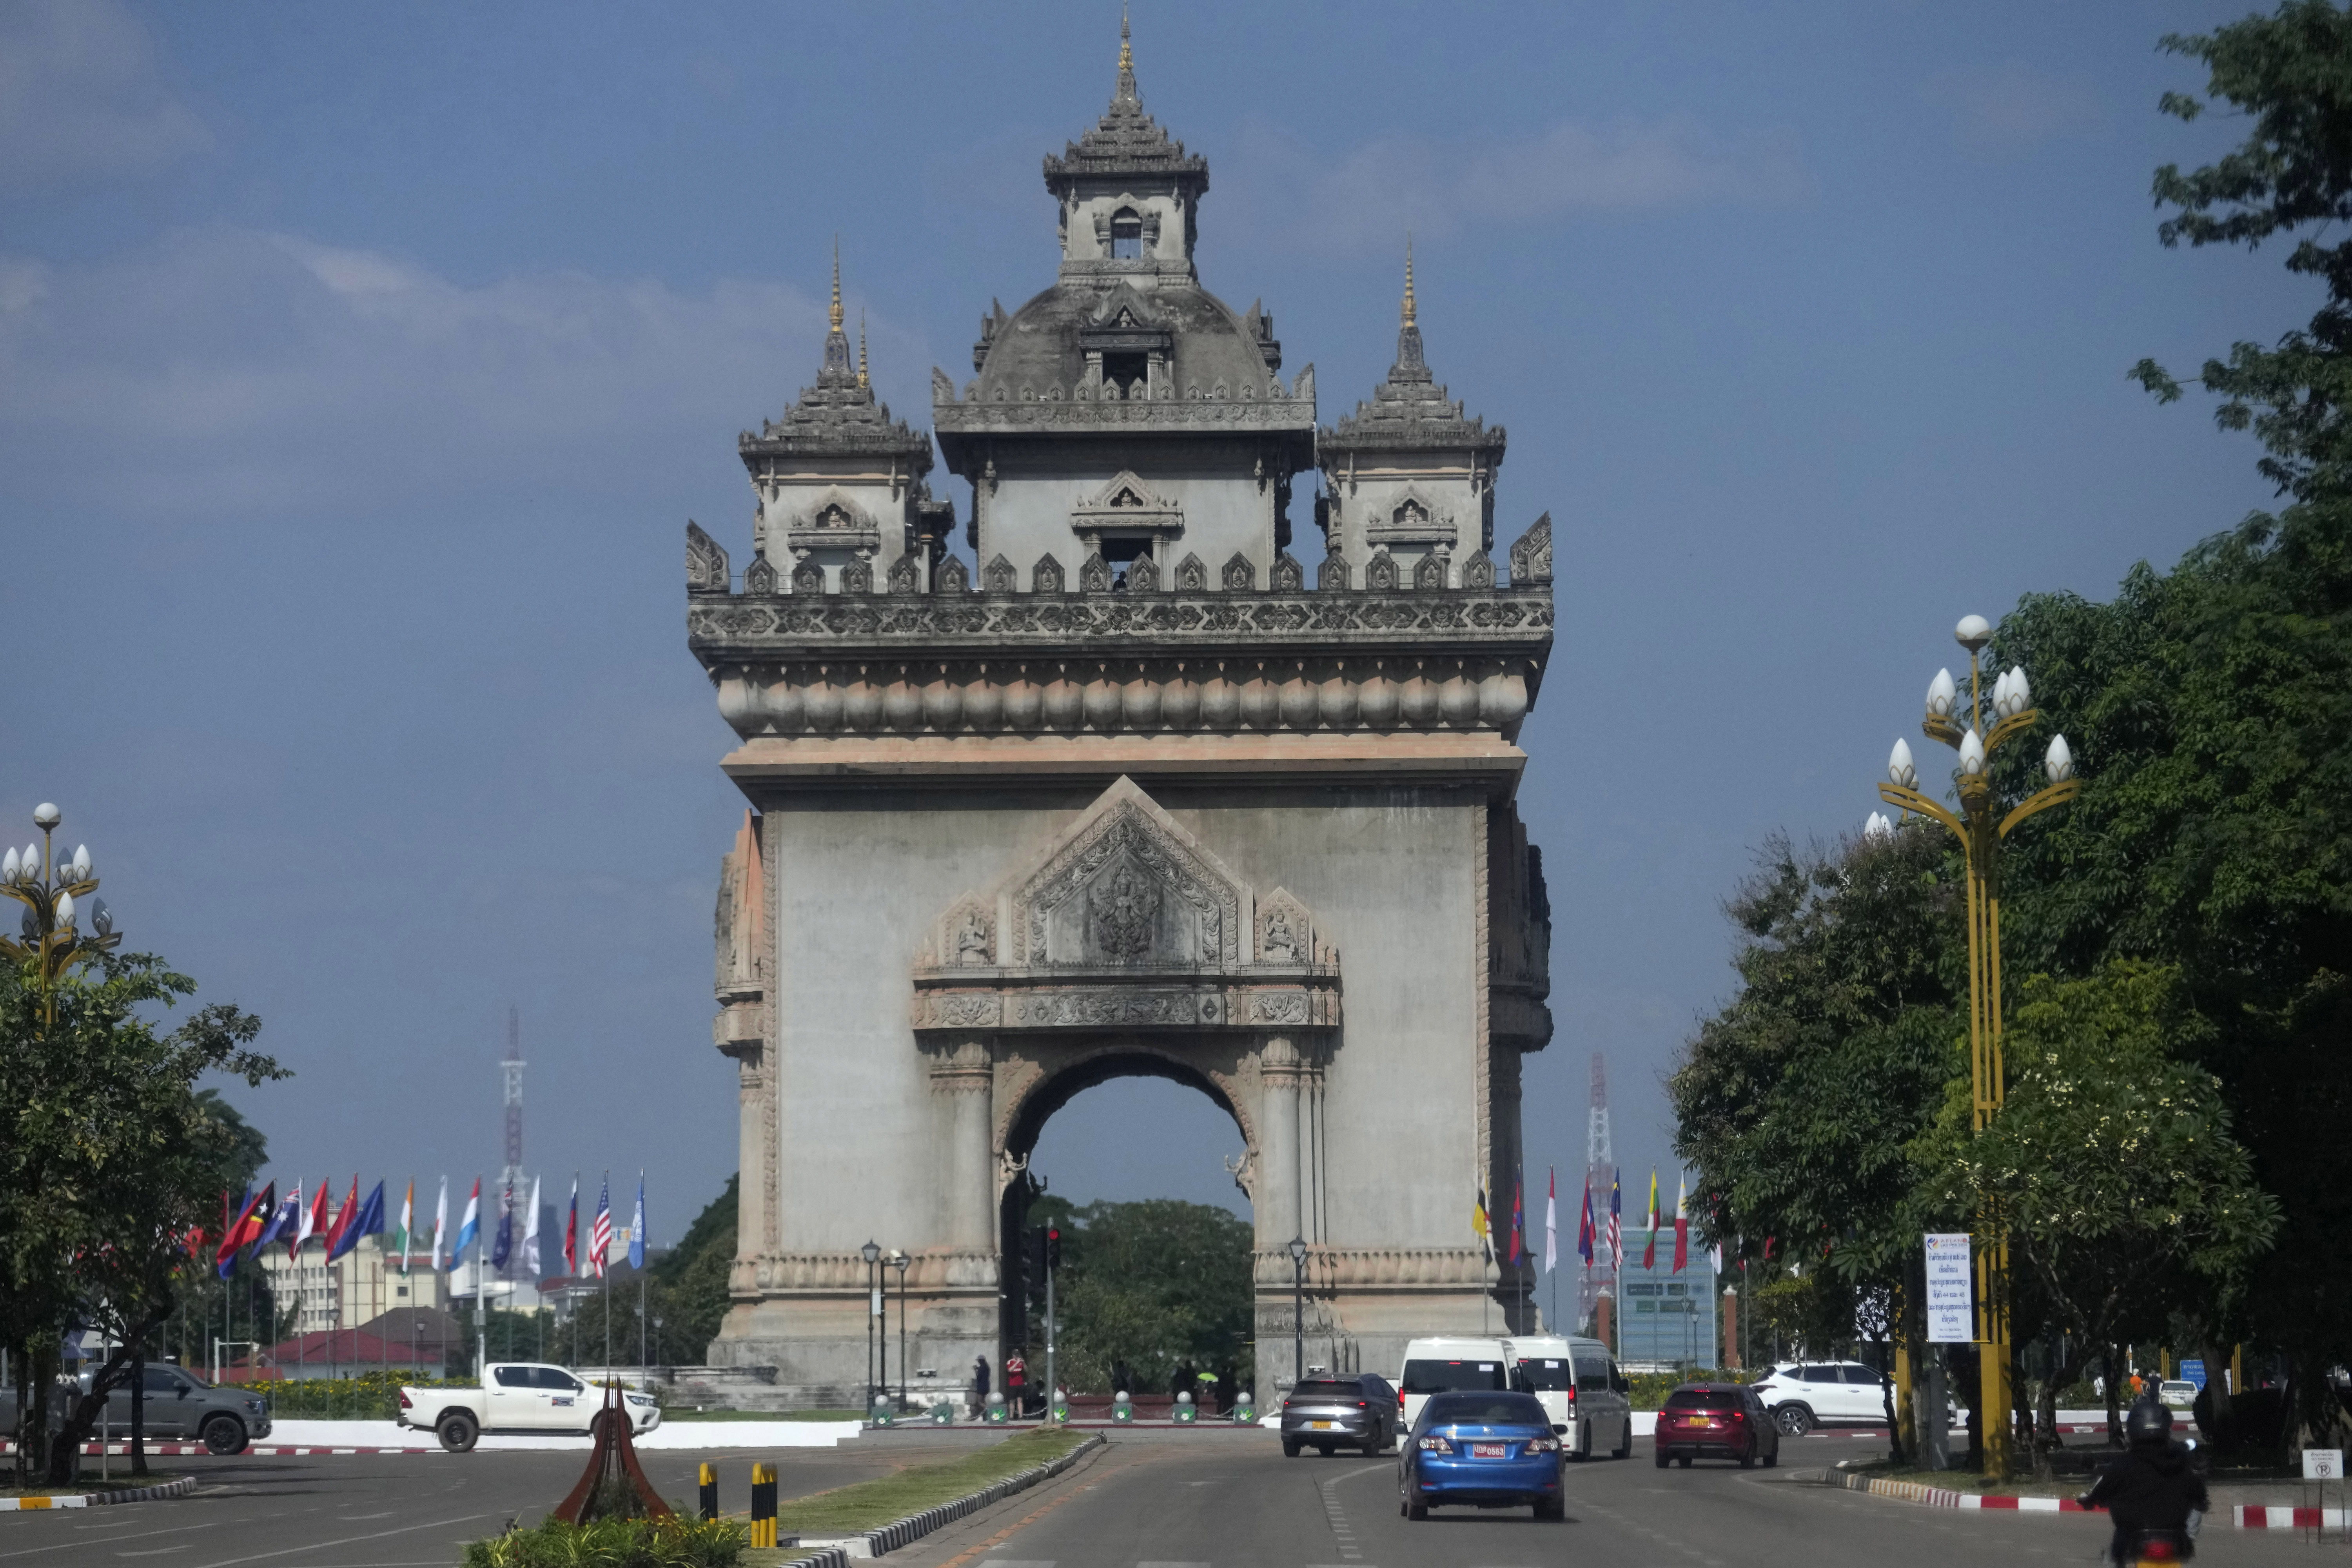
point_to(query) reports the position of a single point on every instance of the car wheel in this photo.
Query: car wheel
(1748, 1461)
(1415, 1509)
(1326, 1449)
(457, 1432)
(223, 1434)
(1582, 1453)
(1624, 1449)
(1662, 1458)
(1794, 1420)
(1685, 1460)
(1290, 1447)
(1772, 1459)
(1372, 1446)
(1552, 1508)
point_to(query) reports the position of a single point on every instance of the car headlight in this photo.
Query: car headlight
(256, 1405)
(1433, 1444)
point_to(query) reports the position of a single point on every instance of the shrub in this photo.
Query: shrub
(675, 1543)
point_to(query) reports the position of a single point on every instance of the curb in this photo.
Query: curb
(2258, 1516)
(837, 1551)
(180, 1487)
(186, 1450)
(2242, 1516)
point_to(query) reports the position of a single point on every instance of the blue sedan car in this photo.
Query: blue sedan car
(1482, 1449)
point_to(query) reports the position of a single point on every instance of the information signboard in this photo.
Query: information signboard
(2323, 1464)
(1951, 1289)
(2193, 1371)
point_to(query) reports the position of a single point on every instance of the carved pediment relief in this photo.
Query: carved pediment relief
(1286, 931)
(1126, 886)
(832, 520)
(1125, 507)
(1411, 518)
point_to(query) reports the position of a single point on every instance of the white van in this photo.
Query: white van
(1442, 1365)
(1579, 1384)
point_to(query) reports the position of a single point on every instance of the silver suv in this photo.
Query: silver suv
(182, 1408)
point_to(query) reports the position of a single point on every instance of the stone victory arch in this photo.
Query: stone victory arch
(1138, 801)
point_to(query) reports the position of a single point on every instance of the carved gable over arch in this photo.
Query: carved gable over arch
(1126, 885)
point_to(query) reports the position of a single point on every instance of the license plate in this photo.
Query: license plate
(1486, 1450)
(1320, 1425)
(1702, 1421)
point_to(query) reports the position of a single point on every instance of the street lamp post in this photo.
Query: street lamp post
(1298, 1310)
(1980, 826)
(901, 1261)
(872, 1254)
(49, 935)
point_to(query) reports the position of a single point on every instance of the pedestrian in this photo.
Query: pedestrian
(979, 1387)
(1016, 1382)
(1225, 1390)
(1122, 1378)
(1181, 1381)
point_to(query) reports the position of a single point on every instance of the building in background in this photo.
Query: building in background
(363, 1284)
(1667, 1319)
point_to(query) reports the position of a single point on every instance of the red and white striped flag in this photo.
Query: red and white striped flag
(600, 1237)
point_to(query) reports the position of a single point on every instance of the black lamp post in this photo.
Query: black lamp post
(899, 1261)
(1298, 1310)
(872, 1254)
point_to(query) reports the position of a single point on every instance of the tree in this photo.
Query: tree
(2112, 1162)
(1154, 1284)
(111, 1158)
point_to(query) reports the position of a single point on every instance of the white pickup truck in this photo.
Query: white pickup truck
(516, 1396)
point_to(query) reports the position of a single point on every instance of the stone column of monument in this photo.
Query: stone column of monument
(1121, 794)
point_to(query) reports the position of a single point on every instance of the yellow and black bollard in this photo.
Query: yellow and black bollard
(709, 1499)
(763, 1505)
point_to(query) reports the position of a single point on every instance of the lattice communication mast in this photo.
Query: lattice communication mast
(1599, 1169)
(513, 1189)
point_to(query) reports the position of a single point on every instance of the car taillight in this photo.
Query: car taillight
(1572, 1396)
(1435, 1445)
(405, 1402)
(1361, 1405)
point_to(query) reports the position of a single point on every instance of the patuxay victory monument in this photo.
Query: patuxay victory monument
(1140, 792)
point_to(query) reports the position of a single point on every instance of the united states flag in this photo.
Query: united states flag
(600, 1237)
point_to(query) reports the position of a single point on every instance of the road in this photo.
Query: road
(1166, 1499)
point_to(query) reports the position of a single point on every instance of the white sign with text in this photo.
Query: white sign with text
(1951, 1289)
(2323, 1464)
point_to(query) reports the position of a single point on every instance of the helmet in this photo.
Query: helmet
(2150, 1422)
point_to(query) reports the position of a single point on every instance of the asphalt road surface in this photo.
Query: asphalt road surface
(1148, 1500)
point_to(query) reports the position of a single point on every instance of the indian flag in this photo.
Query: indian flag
(408, 1227)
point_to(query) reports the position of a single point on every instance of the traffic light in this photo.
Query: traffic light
(1039, 1256)
(1053, 1247)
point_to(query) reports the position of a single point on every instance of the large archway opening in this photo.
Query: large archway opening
(1133, 1158)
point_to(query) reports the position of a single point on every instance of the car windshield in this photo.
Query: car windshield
(1484, 1410)
(1703, 1399)
(1547, 1372)
(1441, 1376)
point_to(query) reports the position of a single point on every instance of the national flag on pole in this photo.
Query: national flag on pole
(1616, 1234)
(283, 1219)
(530, 1234)
(407, 1224)
(440, 1222)
(1715, 1255)
(469, 1229)
(369, 1221)
(1650, 1246)
(1585, 1235)
(502, 1247)
(342, 1223)
(571, 1231)
(1518, 1226)
(1552, 1219)
(236, 1233)
(600, 1234)
(638, 1228)
(1681, 1223)
(1478, 1225)
(314, 1218)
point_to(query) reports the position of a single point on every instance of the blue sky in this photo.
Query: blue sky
(359, 367)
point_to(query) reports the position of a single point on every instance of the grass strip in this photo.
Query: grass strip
(869, 1504)
(1965, 1480)
(671, 1413)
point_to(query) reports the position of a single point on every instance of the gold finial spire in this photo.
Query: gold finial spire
(835, 314)
(1126, 50)
(1408, 280)
(862, 382)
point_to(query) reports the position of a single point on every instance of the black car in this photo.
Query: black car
(1716, 1421)
(1326, 1412)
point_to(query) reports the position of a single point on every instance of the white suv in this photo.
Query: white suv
(1804, 1395)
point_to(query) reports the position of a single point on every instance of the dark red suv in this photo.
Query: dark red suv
(1718, 1421)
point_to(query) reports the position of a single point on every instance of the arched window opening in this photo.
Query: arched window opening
(1126, 235)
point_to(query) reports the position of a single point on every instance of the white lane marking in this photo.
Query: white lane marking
(346, 1540)
(155, 1551)
(110, 1540)
(1343, 1532)
(362, 1518)
(1015, 1563)
(1157, 1565)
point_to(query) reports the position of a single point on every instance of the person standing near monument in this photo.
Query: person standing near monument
(1016, 1382)
(980, 1387)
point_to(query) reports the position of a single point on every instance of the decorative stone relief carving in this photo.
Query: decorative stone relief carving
(1094, 574)
(1333, 576)
(1286, 931)
(1045, 577)
(1429, 571)
(1240, 576)
(1478, 571)
(1414, 518)
(1381, 571)
(1531, 555)
(760, 577)
(906, 575)
(967, 933)
(857, 577)
(1129, 886)
(1001, 576)
(1125, 507)
(706, 563)
(955, 576)
(1287, 576)
(808, 577)
(1191, 576)
(1142, 576)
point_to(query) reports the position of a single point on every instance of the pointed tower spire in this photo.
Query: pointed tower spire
(836, 370)
(862, 381)
(1126, 93)
(1409, 366)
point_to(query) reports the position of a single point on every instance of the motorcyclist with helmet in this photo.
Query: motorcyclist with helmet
(2153, 1492)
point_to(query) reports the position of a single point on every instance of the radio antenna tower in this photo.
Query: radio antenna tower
(510, 1181)
(1599, 1169)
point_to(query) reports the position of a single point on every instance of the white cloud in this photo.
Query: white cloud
(258, 369)
(80, 96)
(1373, 193)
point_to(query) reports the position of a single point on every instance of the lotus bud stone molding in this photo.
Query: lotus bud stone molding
(8, 865)
(2058, 762)
(65, 909)
(1899, 766)
(1972, 755)
(1973, 632)
(1941, 694)
(81, 863)
(32, 863)
(1878, 827)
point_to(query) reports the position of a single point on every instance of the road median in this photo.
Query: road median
(868, 1519)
